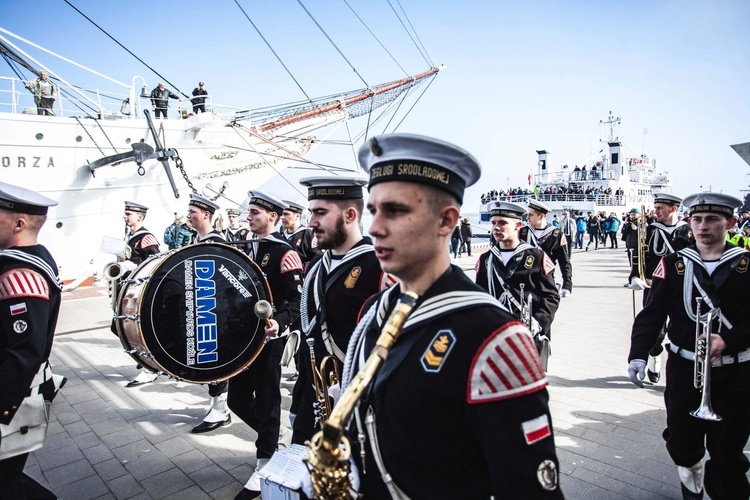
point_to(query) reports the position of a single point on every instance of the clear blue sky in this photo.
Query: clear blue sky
(521, 75)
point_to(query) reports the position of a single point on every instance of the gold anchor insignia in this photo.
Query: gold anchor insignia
(375, 147)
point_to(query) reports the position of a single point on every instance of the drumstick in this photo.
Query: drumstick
(264, 311)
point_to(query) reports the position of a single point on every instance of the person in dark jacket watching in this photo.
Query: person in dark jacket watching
(160, 97)
(199, 99)
(466, 235)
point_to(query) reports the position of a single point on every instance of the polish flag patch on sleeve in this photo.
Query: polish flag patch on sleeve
(537, 429)
(660, 271)
(507, 365)
(291, 262)
(17, 309)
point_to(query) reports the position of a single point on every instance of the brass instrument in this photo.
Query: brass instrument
(642, 243)
(322, 405)
(114, 272)
(329, 448)
(702, 368)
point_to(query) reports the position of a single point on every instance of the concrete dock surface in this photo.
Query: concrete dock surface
(106, 441)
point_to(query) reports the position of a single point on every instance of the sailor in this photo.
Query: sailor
(540, 234)
(664, 236)
(255, 394)
(201, 212)
(520, 276)
(301, 238)
(29, 307)
(447, 425)
(235, 232)
(717, 273)
(141, 242)
(336, 286)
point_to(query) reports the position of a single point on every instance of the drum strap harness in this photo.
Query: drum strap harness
(320, 279)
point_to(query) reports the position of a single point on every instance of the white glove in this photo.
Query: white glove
(565, 293)
(637, 284)
(536, 328)
(637, 371)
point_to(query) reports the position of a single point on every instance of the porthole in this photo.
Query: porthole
(127, 141)
(79, 138)
(39, 136)
(58, 225)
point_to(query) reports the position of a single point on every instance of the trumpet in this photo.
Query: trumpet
(702, 368)
(322, 405)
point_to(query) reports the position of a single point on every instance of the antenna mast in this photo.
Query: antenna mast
(612, 122)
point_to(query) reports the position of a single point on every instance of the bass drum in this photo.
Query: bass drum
(189, 312)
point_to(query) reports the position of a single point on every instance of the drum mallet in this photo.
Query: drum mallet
(264, 311)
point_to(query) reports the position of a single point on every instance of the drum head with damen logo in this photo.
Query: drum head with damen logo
(197, 314)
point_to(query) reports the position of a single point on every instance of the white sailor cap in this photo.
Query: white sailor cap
(712, 202)
(293, 206)
(267, 201)
(667, 199)
(507, 209)
(328, 187)
(538, 206)
(233, 211)
(203, 203)
(135, 207)
(420, 159)
(23, 201)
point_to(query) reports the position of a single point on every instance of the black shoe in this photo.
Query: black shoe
(293, 377)
(136, 383)
(687, 494)
(246, 494)
(209, 426)
(653, 376)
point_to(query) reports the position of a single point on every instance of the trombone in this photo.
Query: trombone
(702, 368)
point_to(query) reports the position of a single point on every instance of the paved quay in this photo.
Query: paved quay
(106, 441)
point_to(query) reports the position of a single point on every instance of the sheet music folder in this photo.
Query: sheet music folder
(281, 478)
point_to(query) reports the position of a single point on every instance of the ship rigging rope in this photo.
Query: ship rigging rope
(273, 51)
(332, 42)
(376, 38)
(422, 50)
(127, 50)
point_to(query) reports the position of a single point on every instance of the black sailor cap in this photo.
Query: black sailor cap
(667, 199)
(712, 202)
(328, 187)
(203, 203)
(419, 159)
(507, 209)
(23, 201)
(267, 201)
(293, 206)
(135, 207)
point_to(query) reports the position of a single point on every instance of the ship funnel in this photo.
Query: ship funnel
(543, 169)
(616, 166)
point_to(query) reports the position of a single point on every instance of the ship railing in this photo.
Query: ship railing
(599, 199)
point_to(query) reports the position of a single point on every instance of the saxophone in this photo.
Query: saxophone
(329, 448)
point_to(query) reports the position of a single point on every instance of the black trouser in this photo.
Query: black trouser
(688, 438)
(199, 108)
(160, 110)
(15, 485)
(658, 347)
(44, 106)
(255, 397)
(613, 238)
(218, 389)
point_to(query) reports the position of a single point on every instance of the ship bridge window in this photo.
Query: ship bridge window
(615, 158)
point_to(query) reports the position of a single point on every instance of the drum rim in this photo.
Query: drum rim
(163, 259)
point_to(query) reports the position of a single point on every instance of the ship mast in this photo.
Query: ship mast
(612, 122)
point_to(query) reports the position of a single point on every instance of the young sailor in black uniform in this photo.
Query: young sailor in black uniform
(29, 307)
(336, 286)
(520, 276)
(716, 272)
(235, 232)
(664, 236)
(255, 394)
(200, 214)
(460, 406)
(140, 241)
(141, 244)
(549, 238)
(302, 238)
